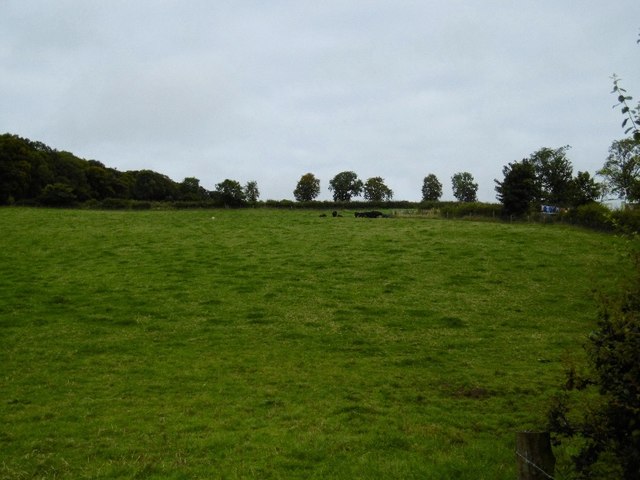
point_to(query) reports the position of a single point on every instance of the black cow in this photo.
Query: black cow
(372, 214)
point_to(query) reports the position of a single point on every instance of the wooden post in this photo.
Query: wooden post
(534, 456)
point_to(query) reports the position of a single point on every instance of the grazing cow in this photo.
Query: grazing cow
(372, 214)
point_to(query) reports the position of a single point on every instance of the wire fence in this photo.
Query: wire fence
(538, 468)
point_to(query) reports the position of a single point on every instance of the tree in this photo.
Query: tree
(621, 171)
(231, 193)
(15, 168)
(150, 185)
(307, 189)
(431, 188)
(464, 188)
(584, 189)
(519, 189)
(102, 182)
(251, 191)
(190, 189)
(344, 186)
(554, 173)
(375, 190)
(71, 170)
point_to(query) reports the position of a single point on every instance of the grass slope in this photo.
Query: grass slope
(278, 344)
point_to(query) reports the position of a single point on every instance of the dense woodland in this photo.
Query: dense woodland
(33, 173)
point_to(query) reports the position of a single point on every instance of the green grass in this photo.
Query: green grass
(278, 344)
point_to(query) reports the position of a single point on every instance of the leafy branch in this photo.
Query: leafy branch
(632, 115)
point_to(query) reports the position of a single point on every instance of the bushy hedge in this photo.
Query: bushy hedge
(470, 209)
(592, 215)
(627, 220)
(600, 217)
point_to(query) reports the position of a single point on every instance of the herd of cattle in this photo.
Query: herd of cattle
(372, 214)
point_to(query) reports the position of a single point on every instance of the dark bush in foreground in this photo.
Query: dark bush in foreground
(599, 412)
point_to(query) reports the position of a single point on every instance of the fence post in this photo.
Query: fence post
(534, 456)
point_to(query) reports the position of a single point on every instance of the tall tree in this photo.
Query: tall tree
(464, 187)
(344, 186)
(150, 185)
(375, 190)
(71, 170)
(15, 168)
(251, 191)
(230, 193)
(584, 189)
(307, 189)
(555, 173)
(431, 188)
(621, 171)
(102, 181)
(519, 189)
(190, 189)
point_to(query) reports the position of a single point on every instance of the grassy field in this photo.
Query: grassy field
(278, 344)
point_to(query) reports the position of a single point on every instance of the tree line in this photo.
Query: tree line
(346, 185)
(33, 173)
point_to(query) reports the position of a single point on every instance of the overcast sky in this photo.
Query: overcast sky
(270, 90)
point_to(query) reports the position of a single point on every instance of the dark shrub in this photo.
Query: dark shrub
(627, 220)
(57, 195)
(592, 215)
(599, 412)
